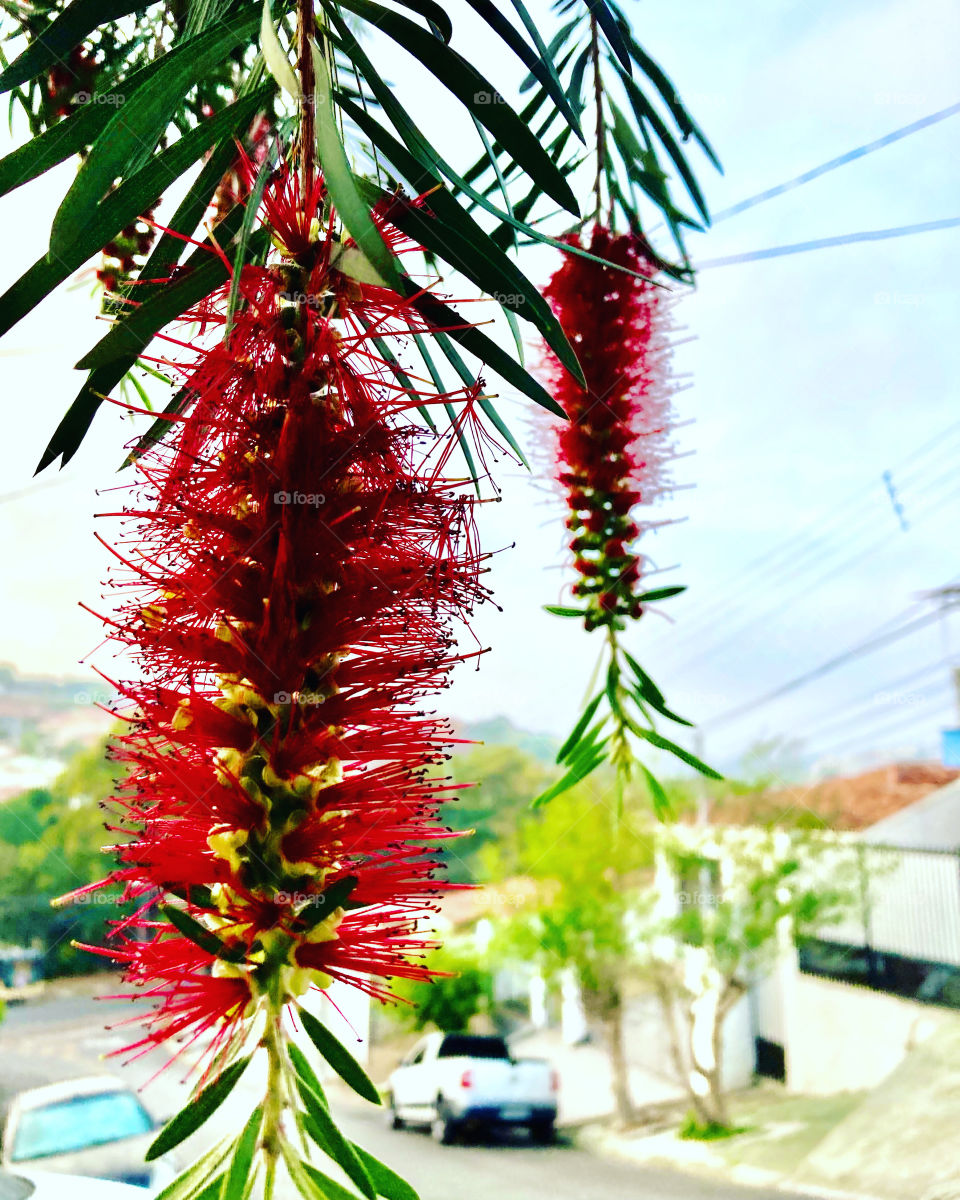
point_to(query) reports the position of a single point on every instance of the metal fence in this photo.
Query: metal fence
(903, 936)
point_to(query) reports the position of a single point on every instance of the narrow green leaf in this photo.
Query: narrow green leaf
(691, 760)
(560, 610)
(610, 24)
(644, 111)
(650, 693)
(663, 593)
(662, 807)
(484, 348)
(199, 1108)
(578, 730)
(201, 936)
(274, 55)
(327, 1188)
(348, 202)
(387, 1182)
(321, 1127)
(190, 1182)
(476, 93)
(238, 1174)
(130, 198)
(305, 1071)
(339, 1057)
(134, 333)
(139, 123)
(436, 15)
(540, 66)
(686, 124)
(585, 766)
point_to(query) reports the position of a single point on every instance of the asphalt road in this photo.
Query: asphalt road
(50, 1040)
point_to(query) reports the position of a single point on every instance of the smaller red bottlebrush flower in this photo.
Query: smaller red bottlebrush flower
(611, 455)
(70, 84)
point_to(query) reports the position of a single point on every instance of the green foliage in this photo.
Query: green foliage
(590, 865)
(52, 842)
(451, 999)
(501, 781)
(695, 1130)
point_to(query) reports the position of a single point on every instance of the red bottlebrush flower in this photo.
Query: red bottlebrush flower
(611, 453)
(296, 565)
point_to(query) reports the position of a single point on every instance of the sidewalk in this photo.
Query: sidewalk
(780, 1133)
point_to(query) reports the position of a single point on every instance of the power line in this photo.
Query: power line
(802, 542)
(833, 163)
(832, 721)
(893, 728)
(843, 239)
(874, 642)
(808, 585)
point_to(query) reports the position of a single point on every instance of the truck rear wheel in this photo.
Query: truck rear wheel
(443, 1128)
(543, 1132)
(390, 1112)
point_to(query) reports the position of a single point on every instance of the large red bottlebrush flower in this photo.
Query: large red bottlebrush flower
(611, 455)
(295, 565)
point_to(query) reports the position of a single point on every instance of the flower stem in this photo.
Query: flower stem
(306, 28)
(273, 1101)
(598, 101)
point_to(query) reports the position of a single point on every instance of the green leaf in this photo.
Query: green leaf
(650, 693)
(201, 936)
(578, 730)
(206, 271)
(321, 1127)
(237, 1176)
(120, 207)
(587, 764)
(328, 901)
(140, 122)
(691, 760)
(339, 1057)
(560, 610)
(274, 55)
(67, 137)
(189, 1183)
(387, 1182)
(328, 1188)
(663, 593)
(612, 31)
(198, 1109)
(686, 124)
(662, 807)
(540, 65)
(71, 27)
(476, 93)
(484, 348)
(644, 111)
(433, 13)
(341, 184)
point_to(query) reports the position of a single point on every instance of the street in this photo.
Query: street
(57, 1038)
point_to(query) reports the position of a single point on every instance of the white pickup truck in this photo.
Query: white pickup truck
(456, 1081)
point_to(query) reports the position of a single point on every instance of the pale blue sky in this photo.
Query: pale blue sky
(812, 375)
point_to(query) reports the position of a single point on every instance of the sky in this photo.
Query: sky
(810, 377)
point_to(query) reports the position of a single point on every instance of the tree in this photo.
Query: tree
(728, 899)
(593, 868)
(461, 990)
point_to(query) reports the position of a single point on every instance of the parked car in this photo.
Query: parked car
(45, 1185)
(94, 1127)
(456, 1081)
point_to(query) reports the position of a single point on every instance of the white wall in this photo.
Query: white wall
(843, 1038)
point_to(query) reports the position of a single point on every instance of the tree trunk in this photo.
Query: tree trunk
(623, 1103)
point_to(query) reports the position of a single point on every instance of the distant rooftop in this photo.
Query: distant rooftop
(855, 802)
